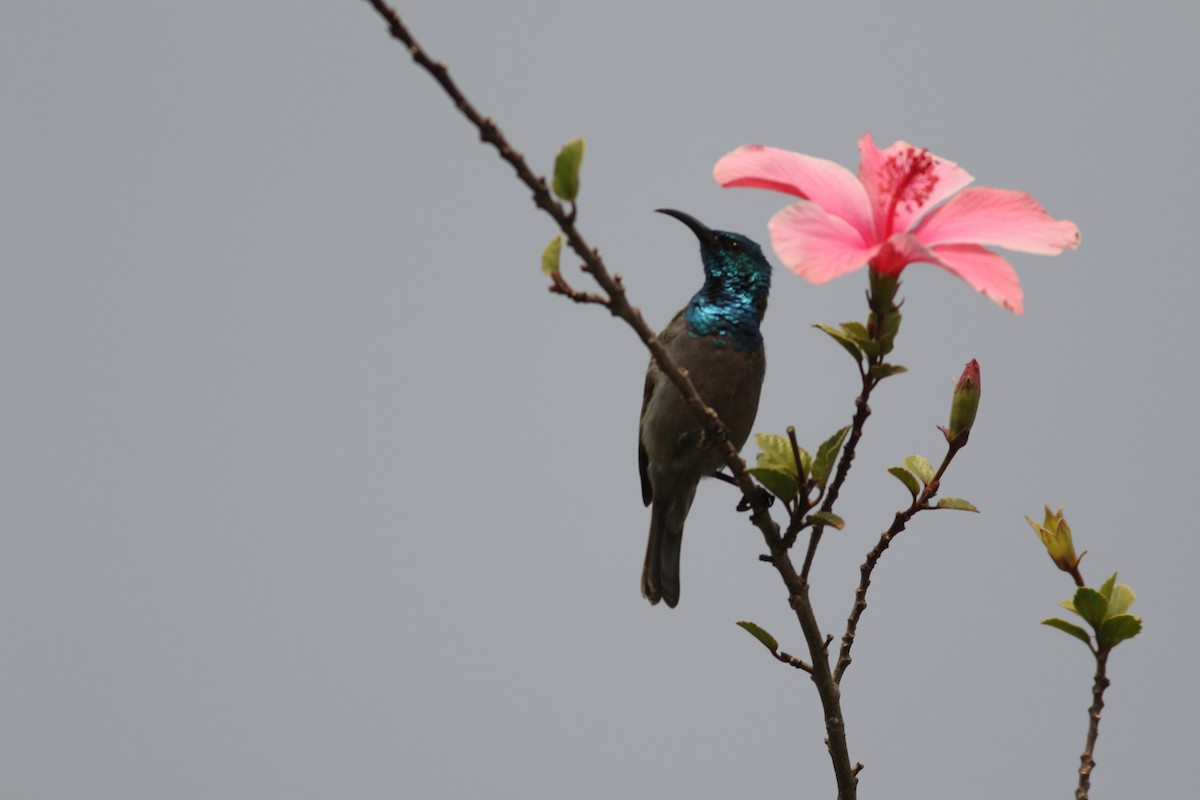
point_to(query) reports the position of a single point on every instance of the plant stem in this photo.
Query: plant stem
(1086, 762)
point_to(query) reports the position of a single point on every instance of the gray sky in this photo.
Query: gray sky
(312, 490)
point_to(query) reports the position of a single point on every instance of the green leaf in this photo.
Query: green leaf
(758, 633)
(856, 331)
(778, 483)
(566, 170)
(805, 461)
(828, 518)
(551, 255)
(881, 371)
(1119, 628)
(956, 503)
(888, 329)
(827, 454)
(1090, 605)
(1120, 599)
(908, 479)
(920, 466)
(777, 451)
(845, 341)
(870, 347)
(1107, 587)
(1066, 627)
(1069, 605)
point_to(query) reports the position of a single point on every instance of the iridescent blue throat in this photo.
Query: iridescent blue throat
(731, 305)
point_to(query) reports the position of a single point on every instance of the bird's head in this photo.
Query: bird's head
(731, 261)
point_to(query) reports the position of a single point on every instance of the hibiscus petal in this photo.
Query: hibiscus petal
(943, 180)
(999, 217)
(826, 183)
(985, 271)
(816, 245)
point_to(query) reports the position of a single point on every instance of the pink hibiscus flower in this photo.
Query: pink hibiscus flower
(883, 217)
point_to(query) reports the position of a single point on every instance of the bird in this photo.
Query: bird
(718, 340)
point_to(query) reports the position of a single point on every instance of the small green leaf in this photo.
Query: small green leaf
(871, 347)
(828, 518)
(956, 503)
(827, 454)
(908, 479)
(1119, 628)
(566, 170)
(1107, 587)
(1066, 627)
(778, 452)
(888, 329)
(1069, 605)
(551, 255)
(758, 633)
(856, 331)
(920, 466)
(1120, 599)
(778, 483)
(805, 461)
(881, 371)
(1090, 605)
(841, 338)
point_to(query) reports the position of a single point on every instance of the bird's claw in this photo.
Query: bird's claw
(761, 497)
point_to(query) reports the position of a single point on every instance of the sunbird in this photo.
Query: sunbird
(717, 339)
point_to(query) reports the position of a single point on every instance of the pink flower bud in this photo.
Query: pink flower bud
(966, 401)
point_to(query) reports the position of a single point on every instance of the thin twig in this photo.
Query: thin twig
(1086, 762)
(619, 306)
(861, 412)
(919, 503)
(792, 661)
(560, 286)
(883, 309)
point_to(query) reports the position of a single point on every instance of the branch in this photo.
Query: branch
(619, 306)
(882, 325)
(616, 302)
(1086, 762)
(861, 412)
(919, 503)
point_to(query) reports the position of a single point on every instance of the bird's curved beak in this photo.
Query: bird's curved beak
(702, 231)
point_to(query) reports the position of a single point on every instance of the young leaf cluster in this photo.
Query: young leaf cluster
(920, 478)
(788, 471)
(856, 339)
(1105, 612)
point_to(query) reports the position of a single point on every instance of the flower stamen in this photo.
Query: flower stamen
(907, 177)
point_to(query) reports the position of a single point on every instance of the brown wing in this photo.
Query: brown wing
(643, 458)
(668, 334)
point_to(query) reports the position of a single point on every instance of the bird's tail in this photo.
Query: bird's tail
(660, 575)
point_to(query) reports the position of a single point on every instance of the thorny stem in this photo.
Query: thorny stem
(919, 503)
(1086, 762)
(618, 305)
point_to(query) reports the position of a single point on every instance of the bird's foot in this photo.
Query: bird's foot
(761, 495)
(761, 498)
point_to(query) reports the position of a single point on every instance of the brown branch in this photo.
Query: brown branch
(560, 286)
(919, 503)
(616, 301)
(619, 306)
(861, 412)
(1086, 762)
(882, 324)
(792, 661)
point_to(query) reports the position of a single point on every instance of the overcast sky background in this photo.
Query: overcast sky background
(310, 489)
